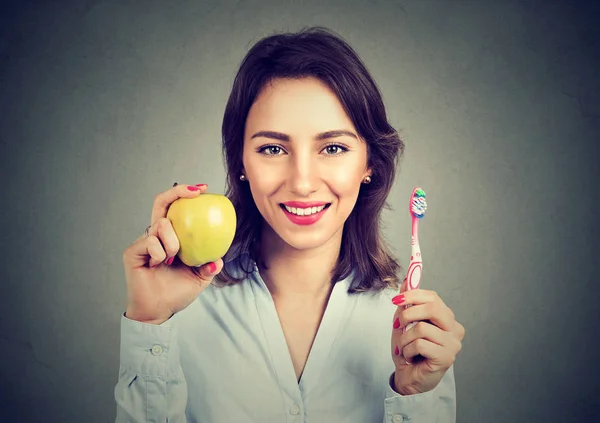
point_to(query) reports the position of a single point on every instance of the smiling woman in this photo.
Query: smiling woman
(311, 94)
(300, 320)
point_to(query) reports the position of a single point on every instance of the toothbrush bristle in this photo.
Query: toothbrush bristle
(418, 205)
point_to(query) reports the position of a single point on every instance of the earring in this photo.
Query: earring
(242, 177)
(367, 180)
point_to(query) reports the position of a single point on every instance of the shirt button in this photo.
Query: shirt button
(157, 350)
(294, 409)
(398, 418)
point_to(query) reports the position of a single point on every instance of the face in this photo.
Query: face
(304, 162)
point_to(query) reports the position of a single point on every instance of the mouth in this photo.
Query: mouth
(304, 213)
(307, 209)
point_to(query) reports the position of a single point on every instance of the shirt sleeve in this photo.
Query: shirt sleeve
(151, 387)
(435, 406)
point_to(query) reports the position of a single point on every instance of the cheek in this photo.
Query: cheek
(259, 192)
(263, 185)
(264, 181)
(259, 176)
(345, 183)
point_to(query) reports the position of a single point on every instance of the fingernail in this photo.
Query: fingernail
(396, 351)
(193, 188)
(212, 267)
(398, 299)
(170, 260)
(396, 323)
(200, 185)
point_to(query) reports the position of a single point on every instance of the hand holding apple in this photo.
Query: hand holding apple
(199, 231)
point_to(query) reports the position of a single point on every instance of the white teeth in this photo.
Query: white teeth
(304, 212)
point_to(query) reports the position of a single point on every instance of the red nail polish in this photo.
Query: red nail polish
(396, 351)
(193, 188)
(212, 267)
(200, 185)
(398, 299)
(396, 323)
(170, 260)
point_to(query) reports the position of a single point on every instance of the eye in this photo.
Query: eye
(334, 149)
(271, 150)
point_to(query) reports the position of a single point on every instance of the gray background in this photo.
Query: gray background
(103, 104)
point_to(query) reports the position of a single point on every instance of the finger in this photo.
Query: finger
(144, 250)
(434, 353)
(459, 331)
(208, 271)
(166, 235)
(436, 313)
(155, 251)
(420, 296)
(163, 200)
(425, 331)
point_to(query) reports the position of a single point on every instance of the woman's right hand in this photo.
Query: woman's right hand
(158, 284)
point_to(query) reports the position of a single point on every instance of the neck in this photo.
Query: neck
(298, 275)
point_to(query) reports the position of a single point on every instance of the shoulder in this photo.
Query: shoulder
(375, 304)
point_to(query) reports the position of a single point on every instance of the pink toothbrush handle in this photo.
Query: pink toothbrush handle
(413, 277)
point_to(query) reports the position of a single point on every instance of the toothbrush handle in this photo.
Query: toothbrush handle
(413, 277)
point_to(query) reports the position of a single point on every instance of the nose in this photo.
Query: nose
(304, 176)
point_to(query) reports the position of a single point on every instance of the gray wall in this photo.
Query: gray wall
(104, 104)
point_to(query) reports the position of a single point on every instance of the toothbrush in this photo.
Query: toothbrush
(417, 208)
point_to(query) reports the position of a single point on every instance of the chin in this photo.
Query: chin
(307, 241)
(303, 244)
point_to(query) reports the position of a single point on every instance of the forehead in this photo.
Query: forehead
(297, 105)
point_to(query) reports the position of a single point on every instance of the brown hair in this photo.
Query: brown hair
(318, 52)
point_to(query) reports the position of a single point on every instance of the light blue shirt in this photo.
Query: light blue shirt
(224, 359)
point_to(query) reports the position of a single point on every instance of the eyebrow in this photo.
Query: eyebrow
(320, 137)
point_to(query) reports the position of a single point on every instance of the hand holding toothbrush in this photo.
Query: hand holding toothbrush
(426, 337)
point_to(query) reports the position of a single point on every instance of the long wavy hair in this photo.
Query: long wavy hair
(320, 53)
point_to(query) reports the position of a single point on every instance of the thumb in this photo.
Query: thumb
(209, 270)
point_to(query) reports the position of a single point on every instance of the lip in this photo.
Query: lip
(304, 220)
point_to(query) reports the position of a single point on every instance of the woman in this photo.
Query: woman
(297, 324)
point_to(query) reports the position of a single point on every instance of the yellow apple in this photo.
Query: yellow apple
(205, 226)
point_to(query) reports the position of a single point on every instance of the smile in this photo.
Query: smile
(304, 212)
(304, 215)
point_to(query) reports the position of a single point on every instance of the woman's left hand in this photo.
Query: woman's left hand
(430, 346)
